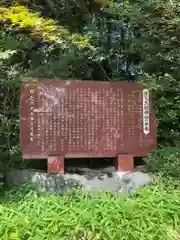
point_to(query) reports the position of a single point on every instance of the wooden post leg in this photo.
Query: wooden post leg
(56, 164)
(125, 163)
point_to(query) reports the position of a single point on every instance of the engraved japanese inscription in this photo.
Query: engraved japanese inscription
(81, 118)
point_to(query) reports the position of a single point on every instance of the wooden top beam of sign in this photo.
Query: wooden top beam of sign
(85, 119)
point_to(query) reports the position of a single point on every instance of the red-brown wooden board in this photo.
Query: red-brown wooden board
(85, 119)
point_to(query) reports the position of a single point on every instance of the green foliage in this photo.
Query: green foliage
(153, 213)
(165, 160)
(19, 17)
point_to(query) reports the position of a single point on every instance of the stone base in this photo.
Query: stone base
(63, 183)
(45, 182)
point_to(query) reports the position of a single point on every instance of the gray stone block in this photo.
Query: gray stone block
(130, 182)
(58, 183)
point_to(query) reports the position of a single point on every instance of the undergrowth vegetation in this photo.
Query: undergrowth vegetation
(165, 160)
(152, 213)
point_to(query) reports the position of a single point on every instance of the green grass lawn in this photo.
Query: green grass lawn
(153, 213)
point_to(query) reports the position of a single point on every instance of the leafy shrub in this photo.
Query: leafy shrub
(153, 213)
(165, 160)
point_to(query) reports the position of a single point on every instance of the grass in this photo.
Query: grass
(153, 213)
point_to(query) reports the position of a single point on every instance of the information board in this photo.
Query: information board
(76, 119)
